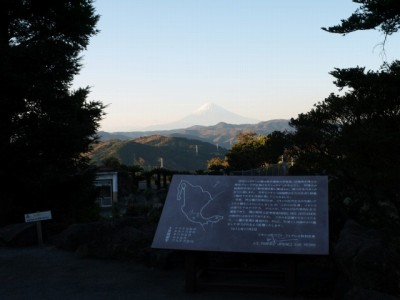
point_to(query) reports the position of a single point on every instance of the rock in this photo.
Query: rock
(118, 243)
(23, 234)
(165, 259)
(365, 294)
(364, 257)
(123, 238)
(74, 236)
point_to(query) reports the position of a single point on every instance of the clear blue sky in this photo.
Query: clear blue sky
(156, 61)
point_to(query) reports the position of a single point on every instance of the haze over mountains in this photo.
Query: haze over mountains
(185, 149)
(185, 145)
(210, 123)
(206, 115)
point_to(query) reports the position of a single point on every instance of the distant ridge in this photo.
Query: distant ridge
(206, 115)
(221, 134)
(177, 153)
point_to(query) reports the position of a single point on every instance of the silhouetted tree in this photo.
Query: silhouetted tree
(254, 151)
(135, 170)
(372, 14)
(277, 142)
(44, 126)
(217, 164)
(112, 162)
(368, 135)
(248, 152)
(355, 138)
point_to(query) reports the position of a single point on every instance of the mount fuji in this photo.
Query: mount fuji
(206, 115)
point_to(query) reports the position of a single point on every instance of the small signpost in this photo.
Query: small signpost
(38, 217)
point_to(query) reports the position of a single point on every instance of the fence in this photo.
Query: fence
(270, 170)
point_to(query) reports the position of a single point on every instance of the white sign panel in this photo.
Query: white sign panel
(38, 216)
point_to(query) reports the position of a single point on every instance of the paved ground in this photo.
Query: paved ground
(50, 273)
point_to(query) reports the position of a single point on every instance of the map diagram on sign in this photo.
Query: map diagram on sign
(194, 200)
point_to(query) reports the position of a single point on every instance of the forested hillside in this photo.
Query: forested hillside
(223, 134)
(174, 153)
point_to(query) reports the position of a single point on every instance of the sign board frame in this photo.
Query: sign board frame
(248, 214)
(38, 216)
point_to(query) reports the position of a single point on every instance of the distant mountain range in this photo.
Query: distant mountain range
(206, 115)
(173, 153)
(182, 146)
(221, 134)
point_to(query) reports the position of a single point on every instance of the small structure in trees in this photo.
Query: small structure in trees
(107, 183)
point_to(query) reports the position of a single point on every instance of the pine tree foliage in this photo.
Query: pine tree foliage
(45, 127)
(355, 139)
(372, 14)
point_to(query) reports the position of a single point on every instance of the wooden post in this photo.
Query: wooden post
(39, 232)
(190, 273)
(38, 217)
(291, 273)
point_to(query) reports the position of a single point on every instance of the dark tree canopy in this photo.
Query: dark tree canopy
(44, 126)
(355, 138)
(217, 164)
(248, 152)
(372, 14)
(254, 151)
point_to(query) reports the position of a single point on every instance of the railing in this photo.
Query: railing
(270, 170)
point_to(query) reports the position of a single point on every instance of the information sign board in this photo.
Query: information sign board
(38, 216)
(254, 214)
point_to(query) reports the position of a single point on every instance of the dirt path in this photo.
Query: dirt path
(50, 273)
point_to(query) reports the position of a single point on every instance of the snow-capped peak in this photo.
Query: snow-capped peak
(204, 108)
